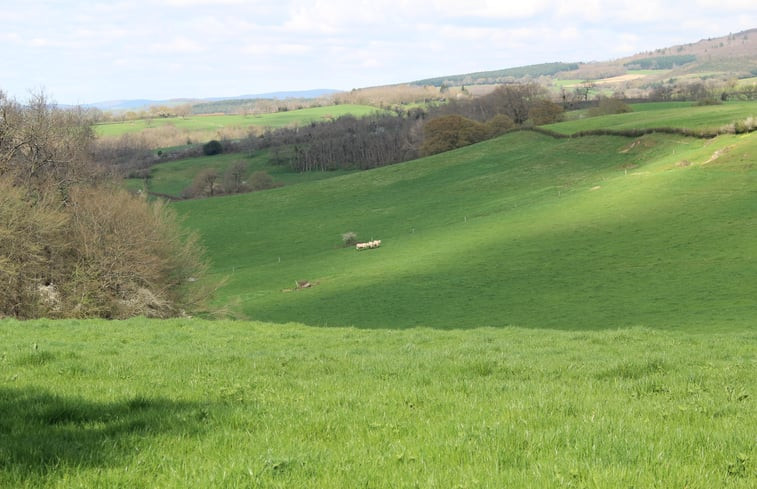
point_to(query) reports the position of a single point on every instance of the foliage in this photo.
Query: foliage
(499, 124)
(212, 147)
(106, 253)
(43, 147)
(72, 246)
(133, 259)
(172, 178)
(449, 132)
(661, 62)
(516, 101)
(261, 180)
(346, 142)
(32, 245)
(545, 112)
(349, 238)
(500, 76)
(187, 403)
(234, 178)
(708, 101)
(205, 184)
(609, 106)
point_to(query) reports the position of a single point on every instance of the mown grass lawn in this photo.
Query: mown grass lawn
(190, 403)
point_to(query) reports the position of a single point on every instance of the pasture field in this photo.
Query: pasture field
(524, 230)
(672, 115)
(173, 177)
(205, 123)
(191, 403)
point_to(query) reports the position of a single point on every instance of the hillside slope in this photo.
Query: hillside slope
(525, 230)
(734, 55)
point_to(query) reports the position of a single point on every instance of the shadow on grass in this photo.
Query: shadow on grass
(40, 431)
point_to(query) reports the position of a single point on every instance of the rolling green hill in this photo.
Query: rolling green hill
(524, 230)
(664, 114)
(456, 372)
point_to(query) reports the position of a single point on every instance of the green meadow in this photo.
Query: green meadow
(665, 114)
(525, 230)
(217, 122)
(190, 403)
(173, 177)
(541, 313)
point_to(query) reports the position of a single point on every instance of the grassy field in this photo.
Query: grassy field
(671, 114)
(189, 403)
(542, 313)
(524, 230)
(173, 177)
(203, 123)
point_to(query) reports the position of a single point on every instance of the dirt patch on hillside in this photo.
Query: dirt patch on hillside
(717, 154)
(641, 142)
(302, 284)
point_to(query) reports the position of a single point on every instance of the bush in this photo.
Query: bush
(349, 238)
(545, 112)
(708, 101)
(31, 238)
(70, 244)
(261, 180)
(133, 258)
(450, 132)
(211, 148)
(105, 254)
(609, 106)
(499, 124)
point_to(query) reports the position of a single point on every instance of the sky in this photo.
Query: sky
(79, 52)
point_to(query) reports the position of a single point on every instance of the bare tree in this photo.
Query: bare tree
(43, 145)
(233, 178)
(205, 184)
(72, 246)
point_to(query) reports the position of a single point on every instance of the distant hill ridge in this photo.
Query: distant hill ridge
(141, 103)
(733, 53)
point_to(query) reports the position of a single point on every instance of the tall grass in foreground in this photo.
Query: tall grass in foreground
(187, 403)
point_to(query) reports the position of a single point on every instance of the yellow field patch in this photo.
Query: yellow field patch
(620, 79)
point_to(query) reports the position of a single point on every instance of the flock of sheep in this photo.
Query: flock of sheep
(369, 245)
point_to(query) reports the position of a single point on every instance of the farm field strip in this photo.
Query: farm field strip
(651, 116)
(216, 122)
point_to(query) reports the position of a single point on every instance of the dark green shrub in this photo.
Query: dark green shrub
(708, 101)
(212, 148)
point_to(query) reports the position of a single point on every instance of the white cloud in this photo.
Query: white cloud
(283, 49)
(331, 43)
(178, 45)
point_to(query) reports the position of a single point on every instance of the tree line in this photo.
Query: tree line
(349, 142)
